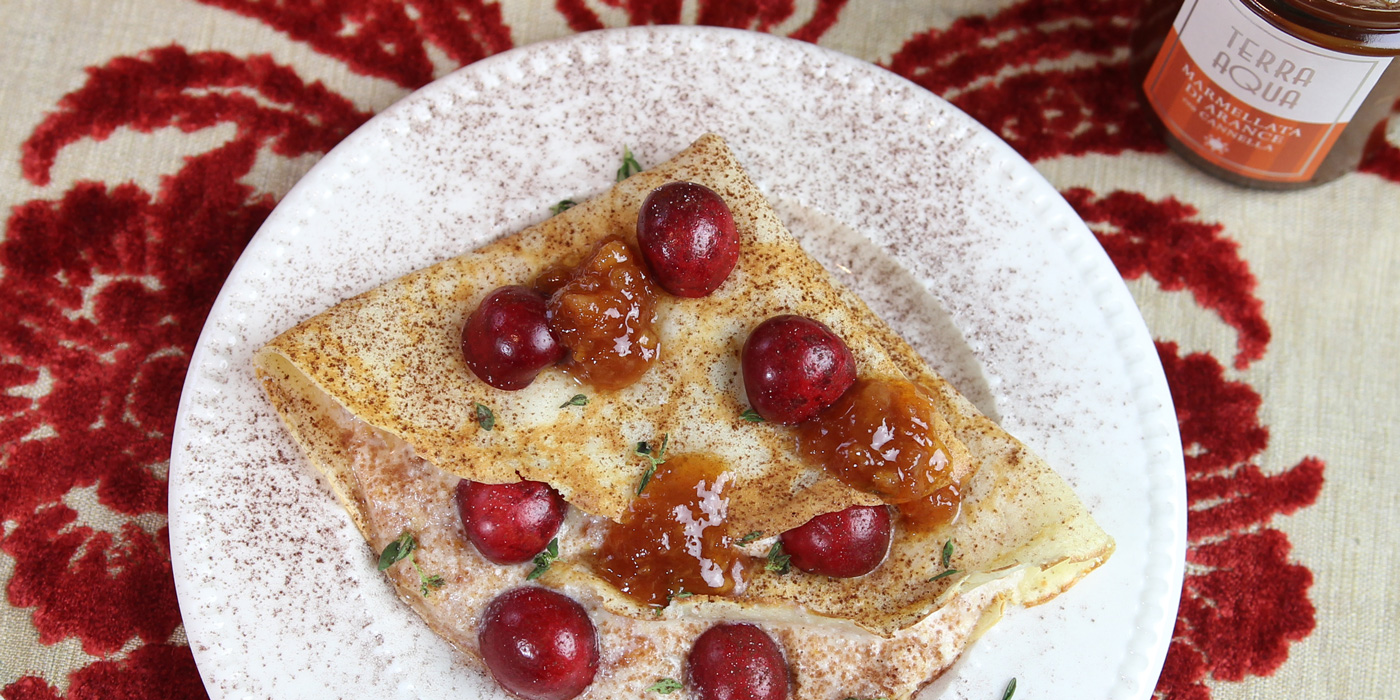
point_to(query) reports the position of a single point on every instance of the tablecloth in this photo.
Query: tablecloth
(145, 141)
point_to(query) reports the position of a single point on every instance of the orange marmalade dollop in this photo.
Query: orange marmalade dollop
(879, 438)
(604, 311)
(673, 539)
(931, 512)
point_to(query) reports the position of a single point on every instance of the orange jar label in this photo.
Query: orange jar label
(1252, 98)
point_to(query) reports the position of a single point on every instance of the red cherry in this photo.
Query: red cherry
(844, 544)
(794, 367)
(510, 523)
(737, 661)
(538, 644)
(506, 340)
(687, 235)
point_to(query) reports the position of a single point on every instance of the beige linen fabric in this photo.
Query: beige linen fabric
(1327, 261)
(1328, 264)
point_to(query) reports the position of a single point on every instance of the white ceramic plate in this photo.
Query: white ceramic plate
(941, 226)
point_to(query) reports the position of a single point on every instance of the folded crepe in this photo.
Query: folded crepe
(380, 377)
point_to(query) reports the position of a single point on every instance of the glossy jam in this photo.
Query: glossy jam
(604, 312)
(878, 438)
(673, 538)
(940, 508)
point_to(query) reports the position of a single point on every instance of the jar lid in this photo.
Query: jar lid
(1373, 26)
(1368, 14)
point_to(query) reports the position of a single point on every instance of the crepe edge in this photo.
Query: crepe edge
(292, 391)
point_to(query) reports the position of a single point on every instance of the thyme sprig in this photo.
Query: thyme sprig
(656, 457)
(544, 559)
(945, 574)
(665, 686)
(402, 549)
(630, 166)
(945, 558)
(751, 537)
(485, 417)
(778, 561)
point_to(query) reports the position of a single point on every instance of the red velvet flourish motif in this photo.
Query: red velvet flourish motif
(1162, 239)
(758, 15)
(106, 289)
(107, 285)
(386, 38)
(1050, 78)
(1243, 603)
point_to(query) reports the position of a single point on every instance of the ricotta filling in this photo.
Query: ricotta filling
(404, 492)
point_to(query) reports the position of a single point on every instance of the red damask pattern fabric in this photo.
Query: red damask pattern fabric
(1243, 602)
(386, 39)
(1042, 112)
(110, 283)
(757, 15)
(107, 290)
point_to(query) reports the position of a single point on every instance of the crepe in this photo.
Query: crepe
(382, 374)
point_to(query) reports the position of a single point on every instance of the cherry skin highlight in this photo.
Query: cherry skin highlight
(794, 367)
(507, 341)
(843, 544)
(687, 235)
(510, 523)
(539, 644)
(736, 661)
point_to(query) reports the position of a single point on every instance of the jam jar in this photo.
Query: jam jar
(1272, 94)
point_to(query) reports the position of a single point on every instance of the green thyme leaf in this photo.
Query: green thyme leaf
(577, 400)
(1010, 690)
(947, 553)
(656, 458)
(682, 594)
(544, 559)
(428, 584)
(778, 561)
(646, 478)
(752, 416)
(389, 555)
(665, 686)
(563, 206)
(945, 574)
(397, 551)
(752, 536)
(402, 549)
(630, 166)
(485, 417)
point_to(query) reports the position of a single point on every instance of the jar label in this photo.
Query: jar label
(1250, 98)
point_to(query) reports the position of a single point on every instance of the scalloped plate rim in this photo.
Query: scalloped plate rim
(209, 366)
